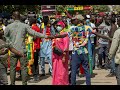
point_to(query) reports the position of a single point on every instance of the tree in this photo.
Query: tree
(116, 8)
(21, 8)
(101, 8)
(61, 8)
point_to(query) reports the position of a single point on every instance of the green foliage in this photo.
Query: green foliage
(21, 8)
(60, 8)
(101, 8)
(116, 8)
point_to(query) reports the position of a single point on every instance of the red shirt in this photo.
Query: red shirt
(47, 30)
(37, 40)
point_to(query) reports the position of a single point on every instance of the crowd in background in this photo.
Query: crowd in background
(71, 45)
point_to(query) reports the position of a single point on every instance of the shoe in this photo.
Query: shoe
(110, 75)
(94, 68)
(42, 75)
(49, 73)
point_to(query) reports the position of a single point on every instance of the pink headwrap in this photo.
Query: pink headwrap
(61, 24)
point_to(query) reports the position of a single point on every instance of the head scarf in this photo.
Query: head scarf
(61, 24)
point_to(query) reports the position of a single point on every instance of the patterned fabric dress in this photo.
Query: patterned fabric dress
(30, 52)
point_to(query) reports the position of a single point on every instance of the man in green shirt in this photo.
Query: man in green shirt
(4, 47)
(15, 33)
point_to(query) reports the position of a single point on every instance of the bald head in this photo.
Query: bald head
(16, 15)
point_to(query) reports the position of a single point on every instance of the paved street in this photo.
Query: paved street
(97, 79)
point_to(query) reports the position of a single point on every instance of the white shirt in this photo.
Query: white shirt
(92, 25)
(92, 35)
(4, 28)
(105, 32)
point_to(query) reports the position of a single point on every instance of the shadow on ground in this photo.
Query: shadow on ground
(44, 77)
(30, 77)
(79, 82)
(101, 82)
(93, 75)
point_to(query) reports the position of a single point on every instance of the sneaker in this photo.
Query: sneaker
(49, 73)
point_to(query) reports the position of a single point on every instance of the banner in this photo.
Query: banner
(48, 10)
(80, 8)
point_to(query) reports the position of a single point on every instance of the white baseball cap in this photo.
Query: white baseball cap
(88, 16)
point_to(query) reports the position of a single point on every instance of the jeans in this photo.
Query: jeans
(93, 55)
(75, 64)
(42, 63)
(103, 53)
(117, 71)
(112, 66)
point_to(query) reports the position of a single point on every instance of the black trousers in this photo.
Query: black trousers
(35, 66)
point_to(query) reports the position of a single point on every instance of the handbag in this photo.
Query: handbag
(57, 51)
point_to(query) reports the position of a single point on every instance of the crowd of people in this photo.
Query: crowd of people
(69, 44)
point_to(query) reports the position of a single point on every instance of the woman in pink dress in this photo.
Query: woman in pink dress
(60, 62)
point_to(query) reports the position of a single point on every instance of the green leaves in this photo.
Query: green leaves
(59, 8)
(116, 8)
(101, 8)
(22, 8)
